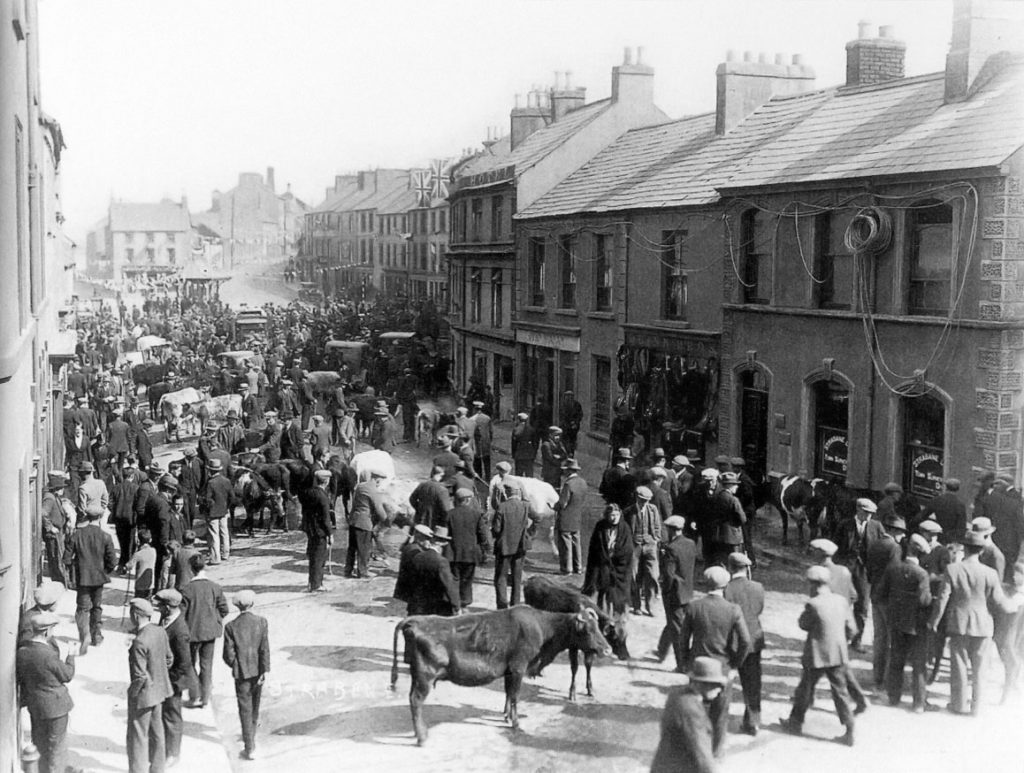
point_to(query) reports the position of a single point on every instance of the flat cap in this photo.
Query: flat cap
(142, 606)
(729, 478)
(643, 492)
(826, 546)
(169, 597)
(1005, 479)
(659, 472)
(681, 460)
(867, 505)
(423, 530)
(463, 493)
(47, 593)
(555, 430)
(929, 526)
(716, 576)
(523, 416)
(721, 459)
(893, 521)
(244, 599)
(503, 467)
(738, 561)
(738, 461)
(658, 453)
(819, 574)
(675, 522)
(920, 544)
(322, 475)
(43, 621)
(893, 488)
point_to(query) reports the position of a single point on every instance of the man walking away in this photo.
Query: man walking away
(149, 659)
(469, 542)
(93, 558)
(510, 529)
(748, 595)
(677, 560)
(205, 610)
(247, 653)
(182, 674)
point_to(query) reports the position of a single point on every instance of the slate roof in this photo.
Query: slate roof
(164, 216)
(895, 128)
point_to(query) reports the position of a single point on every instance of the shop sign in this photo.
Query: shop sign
(925, 472)
(835, 453)
(548, 340)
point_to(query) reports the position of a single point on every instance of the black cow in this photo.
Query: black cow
(819, 503)
(474, 650)
(155, 391)
(542, 593)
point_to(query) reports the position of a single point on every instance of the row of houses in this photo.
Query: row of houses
(251, 222)
(821, 280)
(36, 334)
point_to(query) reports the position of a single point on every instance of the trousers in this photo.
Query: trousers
(464, 571)
(247, 694)
(202, 661)
(803, 698)
(358, 556)
(569, 551)
(55, 557)
(172, 723)
(645, 573)
(750, 682)
(966, 652)
(50, 737)
(879, 644)
(904, 647)
(316, 553)
(220, 538)
(671, 633)
(89, 612)
(146, 750)
(506, 568)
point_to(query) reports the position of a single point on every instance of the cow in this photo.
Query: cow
(542, 593)
(474, 650)
(427, 421)
(818, 502)
(156, 391)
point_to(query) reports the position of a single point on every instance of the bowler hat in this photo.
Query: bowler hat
(707, 669)
(658, 453)
(974, 539)
(623, 453)
(729, 478)
(55, 479)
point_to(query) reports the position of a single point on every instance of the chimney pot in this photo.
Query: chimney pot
(885, 31)
(798, 59)
(639, 54)
(568, 80)
(748, 56)
(780, 59)
(863, 29)
(627, 55)
(730, 55)
(762, 58)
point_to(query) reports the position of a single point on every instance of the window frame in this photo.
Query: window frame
(497, 298)
(603, 270)
(911, 252)
(476, 281)
(753, 262)
(568, 280)
(601, 404)
(537, 261)
(672, 256)
(826, 255)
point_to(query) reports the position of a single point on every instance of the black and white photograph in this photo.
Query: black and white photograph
(604, 386)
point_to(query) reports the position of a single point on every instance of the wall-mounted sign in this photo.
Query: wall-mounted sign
(925, 472)
(835, 452)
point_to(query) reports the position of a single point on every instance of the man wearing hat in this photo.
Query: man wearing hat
(181, 672)
(569, 512)
(366, 513)
(217, 503)
(143, 444)
(828, 624)
(947, 510)
(118, 443)
(191, 480)
(686, 740)
(93, 497)
(510, 528)
(247, 654)
(553, 455)
(713, 627)
(93, 557)
(618, 486)
(55, 526)
(677, 558)
(969, 593)
(622, 432)
(683, 483)
(405, 395)
(344, 431)
(271, 445)
(149, 661)
(145, 491)
(469, 541)
(1004, 511)
(934, 562)
(852, 538)
(658, 484)
(231, 436)
(292, 438)
(888, 505)
(904, 592)
(570, 417)
(205, 610)
(645, 523)
(745, 494)
(252, 411)
(524, 445)
(437, 590)
(383, 432)
(42, 675)
(484, 437)
(748, 595)
(726, 519)
(319, 437)
(467, 428)
(430, 500)
(406, 586)
(882, 553)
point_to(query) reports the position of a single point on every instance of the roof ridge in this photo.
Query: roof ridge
(672, 122)
(843, 90)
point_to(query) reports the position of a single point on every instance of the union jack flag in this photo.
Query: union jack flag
(439, 171)
(423, 185)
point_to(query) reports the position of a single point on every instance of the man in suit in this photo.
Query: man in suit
(205, 610)
(469, 541)
(947, 510)
(191, 479)
(570, 509)
(117, 441)
(383, 432)
(645, 524)
(318, 523)
(524, 445)
(686, 732)
(905, 593)
(659, 486)
(430, 500)
(881, 554)
(42, 677)
(292, 438)
(319, 437)
(367, 511)
(970, 591)
(483, 438)
(149, 661)
(429, 586)
(92, 557)
(748, 595)
(618, 486)
(144, 445)
(828, 624)
(713, 627)
(553, 455)
(271, 445)
(231, 436)
(852, 539)
(727, 519)
(677, 560)
(247, 653)
(182, 673)
(1003, 509)
(510, 529)
(217, 503)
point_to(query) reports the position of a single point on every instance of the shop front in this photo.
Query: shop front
(549, 365)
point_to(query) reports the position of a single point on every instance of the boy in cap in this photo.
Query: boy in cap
(827, 621)
(686, 724)
(182, 674)
(42, 675)
(149, 661)
(748, 595)
(143, 564)
(247, 654)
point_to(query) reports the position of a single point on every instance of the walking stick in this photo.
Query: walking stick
(127, 597)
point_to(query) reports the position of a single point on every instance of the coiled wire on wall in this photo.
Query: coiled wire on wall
(870, 230)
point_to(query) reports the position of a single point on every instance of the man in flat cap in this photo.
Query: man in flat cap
(827, 621)
(205, 610)
(748, 595)
(149, 662)
(93, 558)
(553, 454)
(677, 560)
(182, 673)
(618, 485)
(42, 675)
(247, 654)
(882, 554)
(889, 504)
(645, 524)
(686, 723)
(524, 445)
(511, 531)
(55, 526)
(366, 513)
(46, 595)
(318, 522)
(569, 512)
(948, 511)
(852, 538)
(570, 416)
(469, 541)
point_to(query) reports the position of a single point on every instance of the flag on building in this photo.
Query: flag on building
(440, 171)
(421, 182)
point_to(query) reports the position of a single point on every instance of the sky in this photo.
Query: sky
(161, 98)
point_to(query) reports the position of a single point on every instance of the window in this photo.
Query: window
(831, 431)
(170, 237)
(924, 446)
(442, 217)
(674, 275)
(150, 236)
(602, 274)
(930, 242)
(536, 248)
(497, 300)
(21, 212)
(172, 256)
(129, 254)
(497, 217)
(478, 216)
(600, 415)
(475, 289)
(756, 251)
(834, 265)
(150, 254)
(567, 256)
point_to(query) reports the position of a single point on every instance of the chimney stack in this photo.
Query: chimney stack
(270, 178)
(564, 97)
(745, 86)
(981, 29)
(524, 121)
(874, 60)
(633, 83)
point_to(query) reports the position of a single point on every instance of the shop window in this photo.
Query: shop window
(602, 273)
(756, 252)
(930, 258)
(601, 409)
(831, 430)
(834, 263)
(497, 299)
(567, 268)
(924, 444)
(673, 272)
(475, 288)
(497, 218)
(536, 273)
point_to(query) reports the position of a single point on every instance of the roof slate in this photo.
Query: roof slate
(162, 216)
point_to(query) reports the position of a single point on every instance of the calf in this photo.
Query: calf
(542, 593)
(474, 650)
